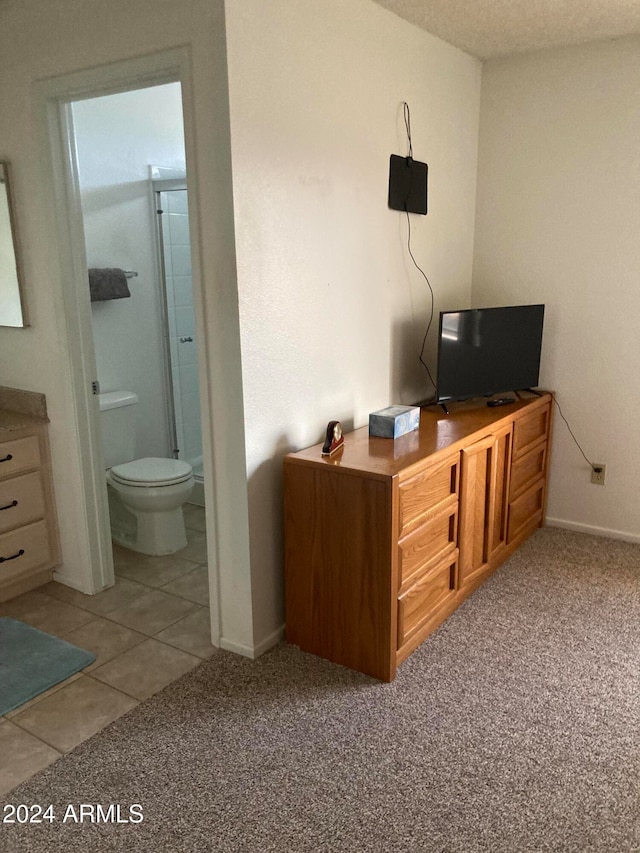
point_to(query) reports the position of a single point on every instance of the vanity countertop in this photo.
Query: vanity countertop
(19, 409)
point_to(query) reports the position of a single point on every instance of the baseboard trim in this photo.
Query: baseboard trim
(269, 642)
(593, 530)
(71, 582)
(253, 652)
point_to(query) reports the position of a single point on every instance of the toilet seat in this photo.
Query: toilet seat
(151, 471)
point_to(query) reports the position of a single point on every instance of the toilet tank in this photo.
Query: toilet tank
(118, 426)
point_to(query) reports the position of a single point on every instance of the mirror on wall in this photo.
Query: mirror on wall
(12, 307)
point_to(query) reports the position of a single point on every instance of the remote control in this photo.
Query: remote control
(501, 401)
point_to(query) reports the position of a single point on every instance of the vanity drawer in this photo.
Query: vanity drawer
(21, 500)
(18, 455)
(24, 549)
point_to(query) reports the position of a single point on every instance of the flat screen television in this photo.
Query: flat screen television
(487, 351)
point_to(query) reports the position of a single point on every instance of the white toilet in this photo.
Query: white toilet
(145, 495)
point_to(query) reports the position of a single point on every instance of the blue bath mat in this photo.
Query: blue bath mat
(32, 662)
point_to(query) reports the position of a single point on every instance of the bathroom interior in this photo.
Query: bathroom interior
(154, 624)
(131, 164)
(131, 170)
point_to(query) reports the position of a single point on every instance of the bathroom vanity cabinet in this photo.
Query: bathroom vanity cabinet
(29, 543)
(386, 538)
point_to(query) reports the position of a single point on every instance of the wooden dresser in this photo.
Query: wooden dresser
(386, 538)
(29, 543)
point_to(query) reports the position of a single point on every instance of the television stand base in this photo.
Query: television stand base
(428, 403)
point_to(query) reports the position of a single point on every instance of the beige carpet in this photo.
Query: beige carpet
(515, 727)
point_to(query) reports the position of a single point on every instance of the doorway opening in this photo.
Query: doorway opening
(138, 325)
(90, 568)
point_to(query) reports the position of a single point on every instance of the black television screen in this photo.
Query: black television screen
(485, 351)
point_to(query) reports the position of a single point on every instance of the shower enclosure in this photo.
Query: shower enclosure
(174, 252)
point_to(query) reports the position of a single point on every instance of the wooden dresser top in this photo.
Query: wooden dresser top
(439, 433)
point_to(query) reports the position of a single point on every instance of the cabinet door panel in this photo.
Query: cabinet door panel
(473, 507)
(498, 490)
(483, 502)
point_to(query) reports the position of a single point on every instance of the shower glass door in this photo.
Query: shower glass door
(175, 248)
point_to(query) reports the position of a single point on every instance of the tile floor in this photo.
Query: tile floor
(146, 631)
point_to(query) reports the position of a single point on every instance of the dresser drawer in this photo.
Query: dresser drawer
(426, 544)
(24, 549)
(18, 455)
(427, 492)
(21, 500)
(418, 604)
(527, 469)
(525, 512)
(530, 429)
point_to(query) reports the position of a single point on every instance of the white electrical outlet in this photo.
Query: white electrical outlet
(597, 473)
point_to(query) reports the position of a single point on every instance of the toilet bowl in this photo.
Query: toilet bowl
(145, 495)
(152, 490)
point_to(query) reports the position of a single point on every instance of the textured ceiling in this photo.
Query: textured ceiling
(490, 28)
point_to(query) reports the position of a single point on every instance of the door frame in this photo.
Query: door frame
(54, 97)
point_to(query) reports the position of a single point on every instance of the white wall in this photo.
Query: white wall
(558, 219)
(332, 311)
(117, 138)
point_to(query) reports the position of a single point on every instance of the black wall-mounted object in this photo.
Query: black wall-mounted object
(407, 184)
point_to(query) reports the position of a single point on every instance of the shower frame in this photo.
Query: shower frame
(158, 186)
(166, 180)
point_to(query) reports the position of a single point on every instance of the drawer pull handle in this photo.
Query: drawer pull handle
(14, 557)
(9, 506)
(7, 458)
